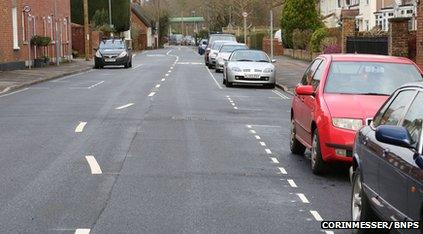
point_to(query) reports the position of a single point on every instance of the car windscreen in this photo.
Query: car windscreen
(222, 38)
(369, 78)
(249, 56)
(231, 48)
(112, 45)
(217, 45)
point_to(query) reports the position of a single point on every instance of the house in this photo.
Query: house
(22, 20)
(371, 13)
(141, 28)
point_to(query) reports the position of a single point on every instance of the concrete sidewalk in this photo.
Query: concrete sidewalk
(289, 72)
(12, 80)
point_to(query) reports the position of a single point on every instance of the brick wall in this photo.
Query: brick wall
(398, 36)
(78, 39)
(277, 46)
(419, 35)
(42, 21)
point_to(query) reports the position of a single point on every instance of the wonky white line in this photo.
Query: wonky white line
(303, 198)
(80, 127)
(82, 231)
(95, 168)
(316, 215)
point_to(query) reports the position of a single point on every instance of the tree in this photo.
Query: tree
(298, 14)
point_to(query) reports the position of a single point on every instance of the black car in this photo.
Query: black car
(388, 162)
(113, 52)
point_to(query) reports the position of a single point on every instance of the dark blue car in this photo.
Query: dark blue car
(388, 162)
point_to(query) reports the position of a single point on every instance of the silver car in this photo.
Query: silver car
(226, 51)
(249, 67)
(214, 50)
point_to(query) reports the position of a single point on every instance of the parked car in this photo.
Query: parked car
(113, 52)
(188, 40)
(226, 51)
(249, 67)
(176, 39)
(202, 46)
(214, 50)
(213, 38)
(338, 95)
(388, 161)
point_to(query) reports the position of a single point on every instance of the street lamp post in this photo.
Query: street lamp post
(245, 15)
(271, 33)
(110, 13)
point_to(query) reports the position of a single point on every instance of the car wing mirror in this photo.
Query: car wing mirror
(304, 90)
(394, 135)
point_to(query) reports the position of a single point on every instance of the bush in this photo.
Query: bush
(100, 18)
(301, 39)
(333, 49)
(257, 40)
(40, 40)
(317, 38)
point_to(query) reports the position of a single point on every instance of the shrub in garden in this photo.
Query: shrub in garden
(333, 49)
(317, 38)
(301, 39)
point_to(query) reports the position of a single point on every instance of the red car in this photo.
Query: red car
(338, 94)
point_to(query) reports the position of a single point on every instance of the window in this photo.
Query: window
(306, 80)
(414, 119)
(318, 75)
(393, 114)
(15, 28)
(409, 11)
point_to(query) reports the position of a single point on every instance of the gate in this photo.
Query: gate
(367, 45)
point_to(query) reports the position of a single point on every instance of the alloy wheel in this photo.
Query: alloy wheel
(314, 151)
(356, 200)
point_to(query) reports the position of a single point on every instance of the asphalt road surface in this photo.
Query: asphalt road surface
(163, 147)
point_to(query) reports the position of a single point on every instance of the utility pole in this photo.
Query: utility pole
(86, 31)
(110, 14)
(245, 15)
(271, 33)
(158, 24)
(56, 20)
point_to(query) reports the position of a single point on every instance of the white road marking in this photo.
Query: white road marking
(7, 94)
(248, 126)
(163, 79)
(274, 160)
(282, 170)
(292, 183)
(152, 94)
(268, 151)
(95, 168)
(80, 127)
(262, 143)
(170, 51)
(171, 68)
(252, 131)
(231, 101)
(236, 108)
(170, 71)
(125, 106)
(82, 231)
(136, 66)
(257, 137)
(283, 96)
(303, 198)
(329, 232)
(316, 215)
(233, 104)
(158, 86)
(97, 84)
(217, 83)
(167, 75)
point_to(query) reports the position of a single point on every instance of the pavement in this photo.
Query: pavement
(289, 72)
(159, 148)
(18, 79)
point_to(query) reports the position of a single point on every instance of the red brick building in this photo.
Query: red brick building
(23, 19)
(141, 28)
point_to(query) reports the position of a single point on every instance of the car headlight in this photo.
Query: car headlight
(220, 61)
(268, 70)
(351, 124)
(236, 69)
(214, 55)
(123, 54)
(98, 54)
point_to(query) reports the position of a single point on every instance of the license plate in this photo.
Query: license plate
(252, 76)
(110, 60)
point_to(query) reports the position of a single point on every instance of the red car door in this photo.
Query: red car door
(304, 105)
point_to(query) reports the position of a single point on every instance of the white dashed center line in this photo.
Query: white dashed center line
(257, 137)
(80, 127)
(252, 131)
(303, 198)
(236, 108)
(167, 75)
(316, 215)
(163, 79)
(282, 170)
(262, 143)
(82, 231)
(125, 106)
(268, 151)
(233, 104)
(152, 94)
(249, 126)
(158, 86)
(292, 183)
(95, 85)
(95, 168)
(274, 160)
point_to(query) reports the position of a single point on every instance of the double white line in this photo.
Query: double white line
(283, 96)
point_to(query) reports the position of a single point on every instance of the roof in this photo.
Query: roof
(187, 19)
(138, 11)
(367, 58)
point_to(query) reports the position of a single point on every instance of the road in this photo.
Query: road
(159, 148)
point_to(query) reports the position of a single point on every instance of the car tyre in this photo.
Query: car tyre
(360, 206)
(271, 86)
(318, 166)
(228, 84)
(295, 145)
